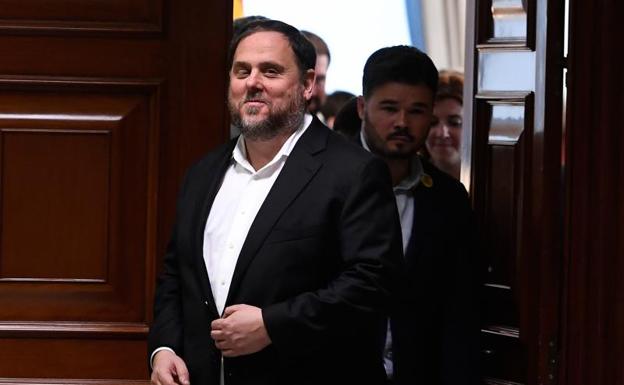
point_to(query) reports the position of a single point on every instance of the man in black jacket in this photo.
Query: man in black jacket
(433, 333)
(286, 246)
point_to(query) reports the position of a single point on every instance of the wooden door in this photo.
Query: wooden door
(593, 333)
(103, 104)
(511, 162)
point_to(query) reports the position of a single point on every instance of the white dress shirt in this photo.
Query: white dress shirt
(242, 192)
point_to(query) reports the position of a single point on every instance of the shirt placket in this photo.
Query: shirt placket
(236, 237)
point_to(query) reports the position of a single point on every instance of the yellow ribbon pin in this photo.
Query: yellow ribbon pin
(426, 180)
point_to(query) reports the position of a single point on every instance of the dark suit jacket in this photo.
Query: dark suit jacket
(435, 330)
(320, 259)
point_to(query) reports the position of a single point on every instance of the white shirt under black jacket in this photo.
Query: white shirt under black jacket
(240, 196)
(242, 192)
(403, 194)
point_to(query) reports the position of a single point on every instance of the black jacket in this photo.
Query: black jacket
(320, 259)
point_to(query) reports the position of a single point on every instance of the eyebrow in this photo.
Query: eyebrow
(271, 64)
(262, 65)
(394, 102)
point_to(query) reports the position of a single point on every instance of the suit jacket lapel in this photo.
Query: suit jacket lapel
(208, 190)
(423, 212)
(297, 172)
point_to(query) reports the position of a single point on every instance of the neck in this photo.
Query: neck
(261, 152)
(399, 169)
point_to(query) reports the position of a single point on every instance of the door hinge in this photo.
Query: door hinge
(553, 361)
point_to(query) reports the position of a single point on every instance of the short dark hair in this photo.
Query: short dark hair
(239, 25)
(319, 44)
(334, 103)
(399, 64)
(348, 120)
(302, 48)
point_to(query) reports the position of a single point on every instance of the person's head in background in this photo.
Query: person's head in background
(347, 121)
(333, 104)
(396, 108)
(323, 58)
(242, 22)
(444, 138)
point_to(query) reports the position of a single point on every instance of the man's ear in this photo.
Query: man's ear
(361, 106)
(308, 83)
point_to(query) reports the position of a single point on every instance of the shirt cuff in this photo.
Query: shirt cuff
(156, 351)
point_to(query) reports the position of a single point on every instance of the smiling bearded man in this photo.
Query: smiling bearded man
(286, 248)
(278, 122)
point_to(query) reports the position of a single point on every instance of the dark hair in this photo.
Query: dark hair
(239, 25)
(348, 120)
(319, 44)
(450, 86)
(400, 64)
(302, 48)
(334, 103)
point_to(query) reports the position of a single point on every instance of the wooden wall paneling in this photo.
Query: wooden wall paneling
(506, 334)
(38, 381)
(593, 338)
(67, 358)
(72, 16)
(103, 105)
(63, 187)
(77, 160)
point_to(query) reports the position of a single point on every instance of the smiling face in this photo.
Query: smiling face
(267, 93)
(396, 118)
(444, 138)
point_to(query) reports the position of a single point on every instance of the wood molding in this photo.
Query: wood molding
(120, 18)
(66, 381)
(20, 82)
(10, 329)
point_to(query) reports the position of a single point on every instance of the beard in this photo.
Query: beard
(378, 144)
(279, 121)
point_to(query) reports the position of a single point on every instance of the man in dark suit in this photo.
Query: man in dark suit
(433, 333)
(286, 246)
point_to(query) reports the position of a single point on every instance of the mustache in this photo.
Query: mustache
(401, 133)
(255, 98)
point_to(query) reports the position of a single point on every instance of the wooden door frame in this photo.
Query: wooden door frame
(542, 224)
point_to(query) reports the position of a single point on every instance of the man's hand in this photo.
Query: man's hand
(241, 331)
(169, 369)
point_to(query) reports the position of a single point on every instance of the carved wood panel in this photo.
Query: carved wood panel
(66, 158)
(510, 160)
(103, 105)
(81, 16)
(506, 118)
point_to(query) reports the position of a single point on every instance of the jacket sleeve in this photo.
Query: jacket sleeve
(167, 327)
(371, 258)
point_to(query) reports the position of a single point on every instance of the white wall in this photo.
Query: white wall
(353, 29)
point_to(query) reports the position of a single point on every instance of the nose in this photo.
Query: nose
(441, 130)
(253, 81)
(401, 119)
